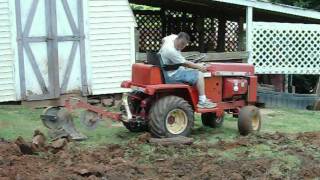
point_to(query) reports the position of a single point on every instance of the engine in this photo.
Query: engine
(233, 87)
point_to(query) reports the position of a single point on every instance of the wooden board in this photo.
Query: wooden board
(223, 56)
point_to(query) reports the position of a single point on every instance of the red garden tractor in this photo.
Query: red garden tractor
(167, 110)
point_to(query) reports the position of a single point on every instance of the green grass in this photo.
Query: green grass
(291, 121)
(273, 120)
(22, 121)
(19, 121)
(227, 132)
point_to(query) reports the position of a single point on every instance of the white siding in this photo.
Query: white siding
(111, 45)
(7, 88)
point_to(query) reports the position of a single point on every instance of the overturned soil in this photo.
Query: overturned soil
(140, 160)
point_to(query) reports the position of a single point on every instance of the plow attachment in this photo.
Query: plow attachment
(60, 123)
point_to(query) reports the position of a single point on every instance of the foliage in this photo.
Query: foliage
(311, 4)
(142, 7)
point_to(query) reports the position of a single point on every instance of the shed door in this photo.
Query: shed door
(51, 48)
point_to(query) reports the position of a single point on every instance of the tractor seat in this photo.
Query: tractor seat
(151, 73)
(146, 74)
(156, 60)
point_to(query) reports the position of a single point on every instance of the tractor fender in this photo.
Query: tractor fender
(186, 92)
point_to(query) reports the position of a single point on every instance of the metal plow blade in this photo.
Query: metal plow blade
(89, 119)
(60, 123)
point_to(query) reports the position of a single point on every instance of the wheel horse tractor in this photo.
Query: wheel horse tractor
(168, 110)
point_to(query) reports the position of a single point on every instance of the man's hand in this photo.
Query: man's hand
(192, 65)
(203, 69)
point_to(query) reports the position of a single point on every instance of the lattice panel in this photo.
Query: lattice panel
(202, 30)
(211, 33)
(186, 22)
(150, 30)
(286, 48)
(232, 36)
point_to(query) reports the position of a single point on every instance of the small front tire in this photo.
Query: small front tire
(249, 120)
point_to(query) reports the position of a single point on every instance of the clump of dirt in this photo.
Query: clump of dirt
(310, 171)
(222, 145)
(144, 138)
(310, 138)
(159, 162)
(39, 144)
(8, 148)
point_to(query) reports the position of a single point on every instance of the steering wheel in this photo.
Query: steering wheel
(195, 58)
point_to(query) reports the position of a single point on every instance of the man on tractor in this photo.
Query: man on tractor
(184, 71)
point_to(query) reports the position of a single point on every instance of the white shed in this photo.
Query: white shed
(53, 47)
(7, 81)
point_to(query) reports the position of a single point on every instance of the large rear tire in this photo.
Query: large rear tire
(211, 120)
(171, 116)
(249, 120)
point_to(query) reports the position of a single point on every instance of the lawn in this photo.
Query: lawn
(22, 121)
(280, 151)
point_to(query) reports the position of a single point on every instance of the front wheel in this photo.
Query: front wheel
(211, 120)
(171, 116)
(134, 126)
(249, 120)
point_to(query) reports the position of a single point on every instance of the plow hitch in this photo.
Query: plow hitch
(60, 122)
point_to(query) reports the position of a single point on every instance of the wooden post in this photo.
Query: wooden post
(222, 35)
(249, 33)
(137, 39)
(290, 86)
(286, 83)
(318, 87)
(241, 35)
(200, 29)
(163, 22)
(183, 21)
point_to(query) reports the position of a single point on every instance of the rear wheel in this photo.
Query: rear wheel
(249, 120)
(211, 120)
(171, 116)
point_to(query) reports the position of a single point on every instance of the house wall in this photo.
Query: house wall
(111, 45)
(7, 87)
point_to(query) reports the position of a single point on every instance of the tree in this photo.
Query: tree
(310, 4)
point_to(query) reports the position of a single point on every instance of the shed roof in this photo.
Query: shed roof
(275, 7)
(263, 10)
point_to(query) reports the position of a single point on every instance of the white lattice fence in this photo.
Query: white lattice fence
(280, 48)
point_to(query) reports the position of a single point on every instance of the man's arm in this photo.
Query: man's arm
(192, 65)
(177, 58)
